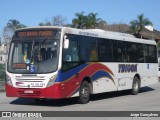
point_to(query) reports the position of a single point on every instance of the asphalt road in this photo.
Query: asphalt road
(147, 100)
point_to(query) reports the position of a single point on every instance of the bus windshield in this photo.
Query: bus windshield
(33, 56)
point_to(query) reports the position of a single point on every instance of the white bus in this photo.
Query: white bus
(61, 62)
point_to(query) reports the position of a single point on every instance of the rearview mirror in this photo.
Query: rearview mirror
(66, 42)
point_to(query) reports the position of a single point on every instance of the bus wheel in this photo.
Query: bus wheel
(84, 93)
(135, 86)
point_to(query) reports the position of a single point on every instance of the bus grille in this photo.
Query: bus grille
(30, 78)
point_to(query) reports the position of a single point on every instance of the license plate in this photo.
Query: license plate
(37, 84)
(28, 91)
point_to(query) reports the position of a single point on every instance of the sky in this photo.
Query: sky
(32, 12)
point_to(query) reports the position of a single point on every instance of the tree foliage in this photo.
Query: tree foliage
(137, 25)
(80, 20)
(14, 24)
(9, 29)
(88, 21)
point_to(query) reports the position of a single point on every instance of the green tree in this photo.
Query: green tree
(102, 24)
(14, 24)
(92, 17)
(9, 29)
(90, 21)
(80, 20)
(136, 26)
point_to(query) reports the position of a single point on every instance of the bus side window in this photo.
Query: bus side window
(126, 57)
(120, 51)
(141, 53)
(105, 49)
(146, 56)
(152, 54)
(88, 49)
(67, 55)
(132, 53)
(93, 55)
(70, 56)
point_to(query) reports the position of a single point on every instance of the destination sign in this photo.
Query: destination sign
(41, 33)
(19, 66)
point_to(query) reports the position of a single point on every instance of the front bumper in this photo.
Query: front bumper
(54, 92)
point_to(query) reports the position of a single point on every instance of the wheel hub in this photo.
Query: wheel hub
(136, 86)
(85, 92)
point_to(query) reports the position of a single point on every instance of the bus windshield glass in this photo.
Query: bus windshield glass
(33, 56)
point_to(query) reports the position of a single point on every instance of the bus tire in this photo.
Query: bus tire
(135, 86)
(84, 93)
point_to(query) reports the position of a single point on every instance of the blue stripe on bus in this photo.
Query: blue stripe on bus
(71, 73)
(100, 74)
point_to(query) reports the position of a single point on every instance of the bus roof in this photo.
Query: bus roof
(96, 33)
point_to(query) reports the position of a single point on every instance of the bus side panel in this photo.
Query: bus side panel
(148, 73)
(124, 74)
(108, 77)
(125, 83)
(123, 79)
(100, 75)
(106, 84)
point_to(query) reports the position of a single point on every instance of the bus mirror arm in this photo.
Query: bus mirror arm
(66, 42)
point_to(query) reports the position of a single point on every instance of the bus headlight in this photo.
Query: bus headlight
(8, 80)
(51, 81)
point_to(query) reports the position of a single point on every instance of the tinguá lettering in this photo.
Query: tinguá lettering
(127, 68)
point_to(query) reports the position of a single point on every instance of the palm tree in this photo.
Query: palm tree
(136, 26)
(133, 27)
(102, 24)
(89, 21)
(9, 29)
(80, 21)
(14, 24)
(94, 20)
